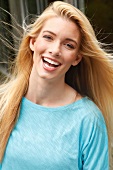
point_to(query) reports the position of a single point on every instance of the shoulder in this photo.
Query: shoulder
(88, 116)
(91, 119)
(86, 108)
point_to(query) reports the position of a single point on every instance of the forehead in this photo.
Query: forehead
(62, 26)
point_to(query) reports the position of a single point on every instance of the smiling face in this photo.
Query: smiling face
(55, 49)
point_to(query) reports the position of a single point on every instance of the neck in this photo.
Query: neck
(45, 92)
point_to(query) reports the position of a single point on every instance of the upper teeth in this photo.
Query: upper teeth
(51, 61)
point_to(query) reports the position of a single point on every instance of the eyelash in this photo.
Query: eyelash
(48, 37)
(70, 46)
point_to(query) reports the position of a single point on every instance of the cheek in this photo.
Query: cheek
(70, 57)
(40, 45)
(38, 50)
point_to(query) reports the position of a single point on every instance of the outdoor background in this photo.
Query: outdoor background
(99, 12)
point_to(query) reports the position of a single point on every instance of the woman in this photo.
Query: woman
(49, 117)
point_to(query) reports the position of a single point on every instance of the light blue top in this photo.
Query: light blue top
(71, 137)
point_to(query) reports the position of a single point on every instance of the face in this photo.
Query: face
(55, 49)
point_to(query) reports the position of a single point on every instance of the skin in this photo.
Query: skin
(55, 49)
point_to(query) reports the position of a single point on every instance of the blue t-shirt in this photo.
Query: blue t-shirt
(71, 137)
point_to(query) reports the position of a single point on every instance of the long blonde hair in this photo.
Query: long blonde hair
(93, 76)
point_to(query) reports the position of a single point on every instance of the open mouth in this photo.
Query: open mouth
(50, 62)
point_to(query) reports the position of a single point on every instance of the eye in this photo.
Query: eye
(48, 37)
(69, 46)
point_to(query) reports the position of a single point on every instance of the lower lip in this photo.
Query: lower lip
(49, 68)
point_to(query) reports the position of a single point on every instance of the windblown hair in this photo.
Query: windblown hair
(92, 77)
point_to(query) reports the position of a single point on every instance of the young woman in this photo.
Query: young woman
(56, 110)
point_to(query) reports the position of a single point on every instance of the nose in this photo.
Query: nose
(55, 49)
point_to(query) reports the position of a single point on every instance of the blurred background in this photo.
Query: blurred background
(99, 12)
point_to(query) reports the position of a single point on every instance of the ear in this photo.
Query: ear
(77, 60)
(31, 44)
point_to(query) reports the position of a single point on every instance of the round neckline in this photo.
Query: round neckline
(31, 104)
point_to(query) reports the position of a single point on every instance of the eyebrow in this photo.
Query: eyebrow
(68, 39)
(49, 32)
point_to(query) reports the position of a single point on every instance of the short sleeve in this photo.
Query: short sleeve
(94, 144)
(0, 166)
